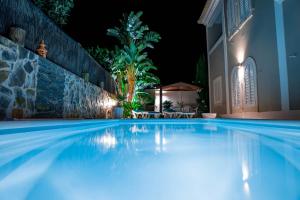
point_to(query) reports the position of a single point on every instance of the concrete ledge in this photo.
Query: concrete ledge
(290, 115)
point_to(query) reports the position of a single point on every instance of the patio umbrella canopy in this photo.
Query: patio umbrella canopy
(180, 86)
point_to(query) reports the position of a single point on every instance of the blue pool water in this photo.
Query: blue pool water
(150, 160)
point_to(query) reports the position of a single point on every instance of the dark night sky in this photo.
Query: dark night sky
(183, 40)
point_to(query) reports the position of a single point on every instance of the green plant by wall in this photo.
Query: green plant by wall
(145, 98)
(128, 107)
(57, 10)
(102, 56)
(167, 105)
(202, 101)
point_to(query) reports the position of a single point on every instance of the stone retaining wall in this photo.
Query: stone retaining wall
(62, 49)
(34, 87)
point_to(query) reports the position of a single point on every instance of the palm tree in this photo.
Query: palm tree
(129, 62)
(136, 38)
(137, 67)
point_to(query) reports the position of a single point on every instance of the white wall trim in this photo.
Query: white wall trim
(225, 60)
(208, 11)
(217, 43)
(282, 58)
(209, 78)
(240, 27)
(217, 91)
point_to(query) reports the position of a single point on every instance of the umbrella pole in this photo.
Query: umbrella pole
(160, 99)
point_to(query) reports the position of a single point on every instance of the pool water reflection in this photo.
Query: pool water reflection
(149, 161)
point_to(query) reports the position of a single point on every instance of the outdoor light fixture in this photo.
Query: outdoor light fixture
(109, 103)
(241, 72)
(240, 56)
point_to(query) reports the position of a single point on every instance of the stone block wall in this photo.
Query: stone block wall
(62, 49)
(34, 87)
(82, 99)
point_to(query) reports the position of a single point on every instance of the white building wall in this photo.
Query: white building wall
(189, 99)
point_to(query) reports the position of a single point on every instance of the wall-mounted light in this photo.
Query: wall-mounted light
(109, 103)
(240, 56)
(241, 72)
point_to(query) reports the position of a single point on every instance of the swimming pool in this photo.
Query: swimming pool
(150, 160)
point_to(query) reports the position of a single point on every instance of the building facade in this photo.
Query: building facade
(253, 51)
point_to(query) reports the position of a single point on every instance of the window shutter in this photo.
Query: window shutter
(217, 88)
(250, 83)
(237, 12)
(245, 9)
(235, 89)
(244, 92)
(230, 16)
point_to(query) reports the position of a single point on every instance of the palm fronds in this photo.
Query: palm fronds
(129, 62)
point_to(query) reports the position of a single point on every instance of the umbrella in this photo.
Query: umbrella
(180, 86)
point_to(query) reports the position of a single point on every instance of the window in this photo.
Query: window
(244, 87)
(238, 12)
(217, 85)
(250, 83)
(236, 88)
(215, 30)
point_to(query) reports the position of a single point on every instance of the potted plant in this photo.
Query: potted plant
(118, 111)
(209, 115)
(167, 105)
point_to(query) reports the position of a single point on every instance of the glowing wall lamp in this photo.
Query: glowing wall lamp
(241, 72)
(241, 56)
(241, 69)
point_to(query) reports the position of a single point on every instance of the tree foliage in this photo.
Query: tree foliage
(102, 56)
(135, 38)
(57, 10)
(201, 72)
(167, 105)
(129, 62)
(201, 79)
